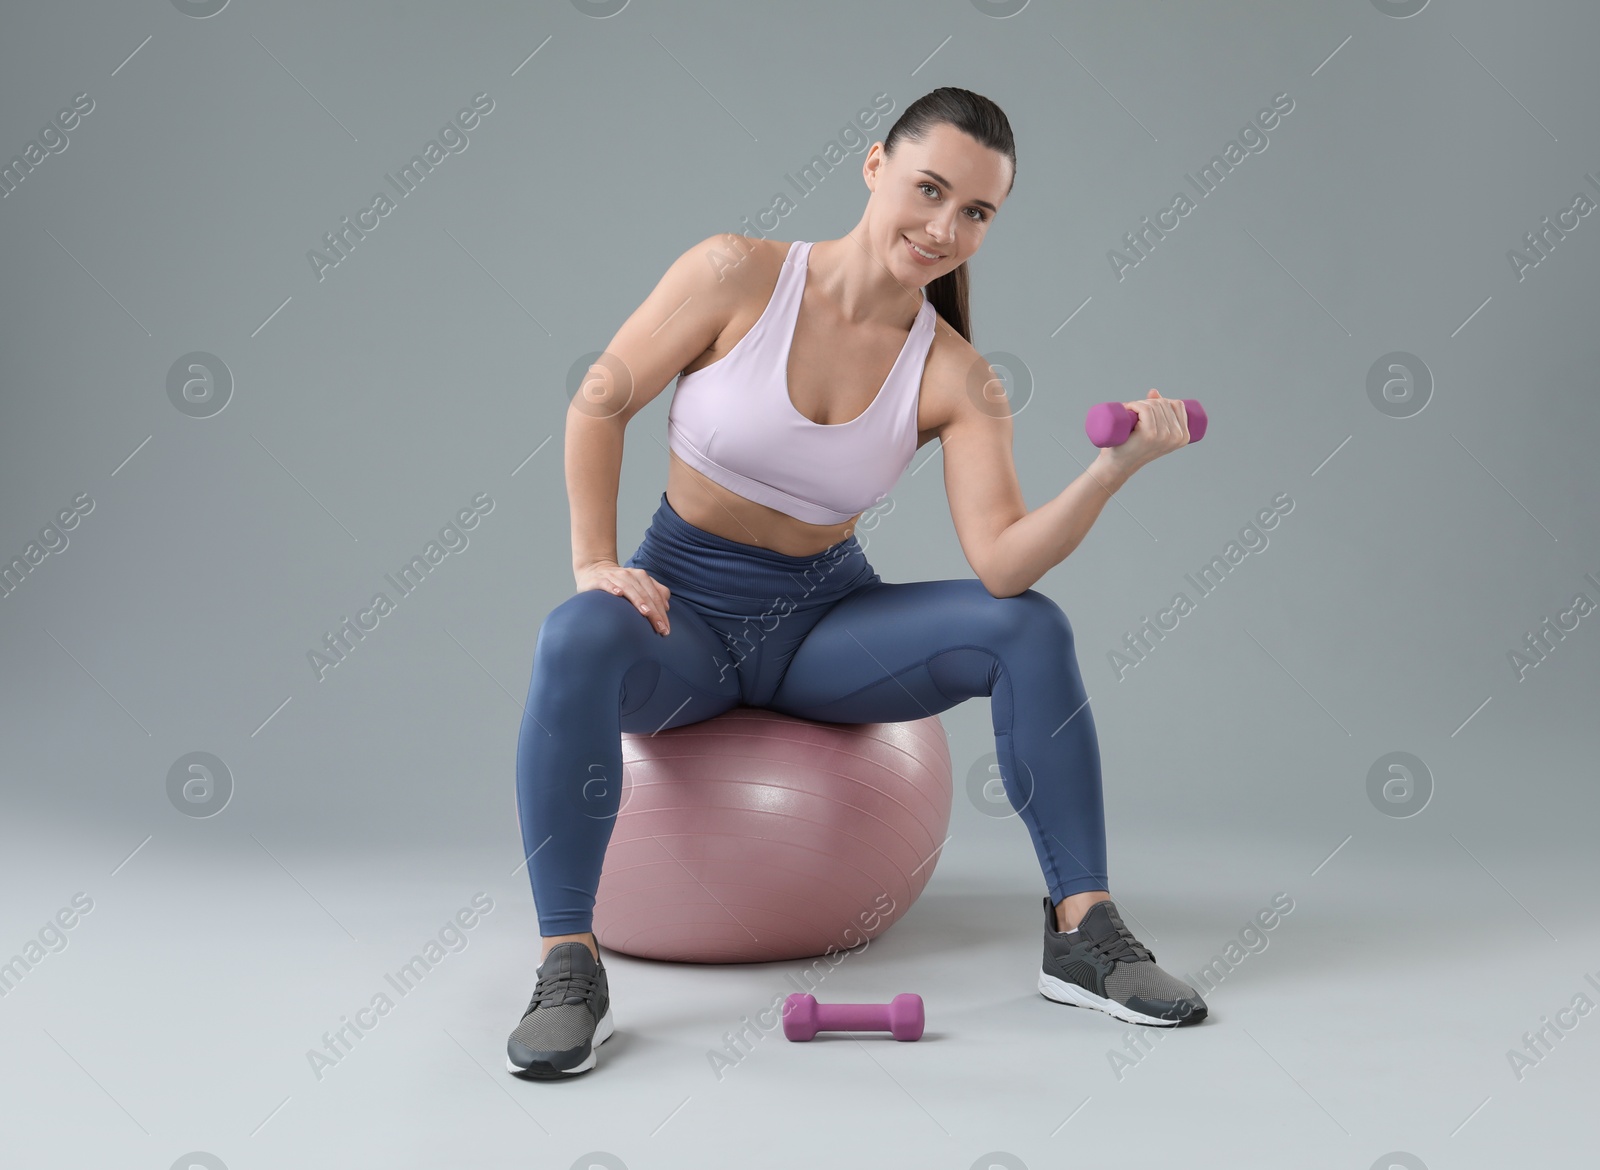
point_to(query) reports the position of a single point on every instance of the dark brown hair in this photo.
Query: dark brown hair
(979, 118)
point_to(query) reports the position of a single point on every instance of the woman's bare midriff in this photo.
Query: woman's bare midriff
(709, 506)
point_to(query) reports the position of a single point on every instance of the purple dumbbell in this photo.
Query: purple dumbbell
(1110, 423)
(804, 1017)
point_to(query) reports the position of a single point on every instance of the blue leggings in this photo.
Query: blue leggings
(819, 637)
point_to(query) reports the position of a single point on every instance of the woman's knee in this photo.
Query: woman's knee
(588, 626)
(1031, 618)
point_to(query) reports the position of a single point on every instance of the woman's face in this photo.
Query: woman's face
(939, 194)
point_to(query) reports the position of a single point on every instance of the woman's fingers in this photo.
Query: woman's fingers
(651, 597)
(662, 601)
(1163, 423)
(1153, 417)
(627, 586)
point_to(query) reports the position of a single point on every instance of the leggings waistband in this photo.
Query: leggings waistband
(705, 561)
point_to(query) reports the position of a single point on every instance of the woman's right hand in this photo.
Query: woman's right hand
(649, 596)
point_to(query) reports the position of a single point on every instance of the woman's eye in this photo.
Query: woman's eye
(978, 218)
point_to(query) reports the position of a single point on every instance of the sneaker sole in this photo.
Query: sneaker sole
(1061, 991)
(543, 1072)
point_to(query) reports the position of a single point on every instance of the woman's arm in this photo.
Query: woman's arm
(594, 471)
(1008, 546)
(678, 321)
(1031, 546)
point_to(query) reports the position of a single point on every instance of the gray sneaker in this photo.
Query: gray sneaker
(568, 1017)
(1101, 965)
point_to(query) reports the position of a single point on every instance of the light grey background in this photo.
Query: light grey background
(435, 363)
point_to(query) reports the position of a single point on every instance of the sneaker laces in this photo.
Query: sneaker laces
(559, 988)
(1122, 947)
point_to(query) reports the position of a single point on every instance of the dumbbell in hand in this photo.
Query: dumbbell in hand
(1110, 423)
(804, 1017)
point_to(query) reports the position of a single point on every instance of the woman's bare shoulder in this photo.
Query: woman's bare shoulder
(956, 375)
(745, 261)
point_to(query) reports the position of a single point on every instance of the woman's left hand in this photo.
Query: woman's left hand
(1162, 428)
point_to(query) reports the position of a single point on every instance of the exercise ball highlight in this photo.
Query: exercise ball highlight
(755, 836)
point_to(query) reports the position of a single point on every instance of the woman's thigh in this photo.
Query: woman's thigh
(898, 651)
(894, 653)
(599, 661)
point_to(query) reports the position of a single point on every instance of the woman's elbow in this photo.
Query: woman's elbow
(1000, 588)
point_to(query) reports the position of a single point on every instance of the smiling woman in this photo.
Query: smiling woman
(808, 374)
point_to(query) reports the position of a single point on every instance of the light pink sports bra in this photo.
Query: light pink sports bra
(733, 420)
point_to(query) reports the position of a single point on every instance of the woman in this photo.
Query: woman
(809, 374)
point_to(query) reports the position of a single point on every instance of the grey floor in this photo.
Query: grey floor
(1377, 1018)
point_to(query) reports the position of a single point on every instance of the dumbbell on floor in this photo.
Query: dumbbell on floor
(1110, 423)
(804, 1017)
